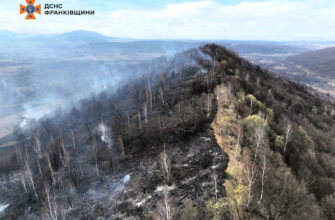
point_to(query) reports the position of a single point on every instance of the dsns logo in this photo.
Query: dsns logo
(30, 9)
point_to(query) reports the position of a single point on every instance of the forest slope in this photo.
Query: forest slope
(148, 151)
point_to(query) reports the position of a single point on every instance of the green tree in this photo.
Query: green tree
(218, 209)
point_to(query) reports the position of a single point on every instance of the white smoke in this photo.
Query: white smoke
(105, 134)
(3, 207)
(33, 113)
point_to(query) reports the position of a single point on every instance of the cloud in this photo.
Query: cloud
(258, 20)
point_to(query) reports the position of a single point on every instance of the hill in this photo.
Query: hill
(205, 134)
(77, 44)
(319, 62)
(314, 68)
(38, 71)
(85, 36)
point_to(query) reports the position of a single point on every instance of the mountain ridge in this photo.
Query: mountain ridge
(156, 130)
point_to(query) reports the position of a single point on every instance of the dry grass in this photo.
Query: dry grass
(226, 134)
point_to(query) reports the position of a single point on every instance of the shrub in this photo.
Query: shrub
(189, 212)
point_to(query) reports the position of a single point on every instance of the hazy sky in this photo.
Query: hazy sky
(180, 19)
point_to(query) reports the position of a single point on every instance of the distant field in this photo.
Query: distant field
(8, 124)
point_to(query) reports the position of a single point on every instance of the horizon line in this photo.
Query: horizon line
(176, 39)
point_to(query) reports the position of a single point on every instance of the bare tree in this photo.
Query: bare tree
(262, 180)
(136, 95)
(23, 179)
(128, 121)
(164, 210)
(66, 155)
(95, 156)
(37, 143)
(50, 168)
(257, 128)
(121, 146)
(149, 93)
(166, 164)
(81, 170)
(39, 166)
(139, 120)
(150, 99)
(250, 172)
(161, 95)
(209, 104)
(215, 179)
(31, 178)
(288, 132)
(52, 204)
(259, 132)
(18, 154)
(73, 139)
(238, 141)
(145, 110)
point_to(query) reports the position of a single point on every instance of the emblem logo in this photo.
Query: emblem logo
(30, 9)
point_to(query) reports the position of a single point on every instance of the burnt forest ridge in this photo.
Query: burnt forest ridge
(40, 73)
(203, 135)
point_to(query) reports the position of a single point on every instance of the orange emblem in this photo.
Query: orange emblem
(30, 9)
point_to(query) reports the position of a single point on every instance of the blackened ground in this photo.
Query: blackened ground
(135, 192)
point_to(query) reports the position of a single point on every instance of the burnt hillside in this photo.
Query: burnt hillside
(157, 149)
